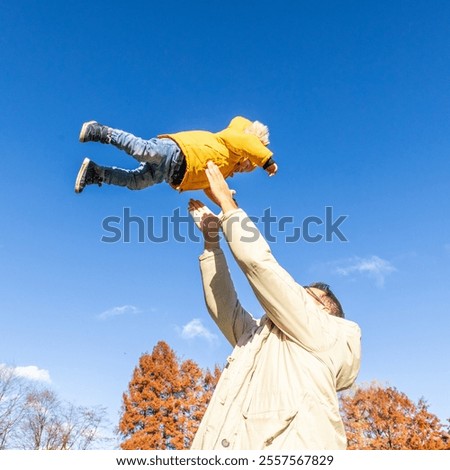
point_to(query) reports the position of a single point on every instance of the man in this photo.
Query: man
(278, 389)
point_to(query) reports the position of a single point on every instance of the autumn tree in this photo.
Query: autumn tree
(383, 418)
(165, 402)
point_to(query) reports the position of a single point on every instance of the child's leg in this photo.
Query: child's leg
(142, 177)
(160, 154)
(154, 151)
(143, 150)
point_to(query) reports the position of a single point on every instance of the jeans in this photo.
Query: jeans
(158, 159)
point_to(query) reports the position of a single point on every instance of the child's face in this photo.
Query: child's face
(244, 166)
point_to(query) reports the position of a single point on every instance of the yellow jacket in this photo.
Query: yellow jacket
(225, 148)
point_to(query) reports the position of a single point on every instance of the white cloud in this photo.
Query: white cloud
(29, 373)
(374, 267)
(195, 329)
(117, 311)
(33, 373)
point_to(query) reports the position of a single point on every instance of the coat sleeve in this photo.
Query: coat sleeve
(285, 302)
(245, 145)
(347, 357)
(221, 298)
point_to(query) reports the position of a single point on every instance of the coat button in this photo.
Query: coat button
(225, 443)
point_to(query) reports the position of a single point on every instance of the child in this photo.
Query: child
(179, 159)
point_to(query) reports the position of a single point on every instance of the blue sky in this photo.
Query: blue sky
(357, 98)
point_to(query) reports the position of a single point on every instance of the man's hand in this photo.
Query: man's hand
(218, 191)
(206, 221)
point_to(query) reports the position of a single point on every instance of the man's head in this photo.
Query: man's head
(322, 294)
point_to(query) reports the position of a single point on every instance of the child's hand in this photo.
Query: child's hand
(272, 169)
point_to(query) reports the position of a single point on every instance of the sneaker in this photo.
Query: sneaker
(92, 131)
(88, 174)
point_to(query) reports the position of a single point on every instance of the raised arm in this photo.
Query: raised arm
(221, 298)
(218, 289)
(286, 302)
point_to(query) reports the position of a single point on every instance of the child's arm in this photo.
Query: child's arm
(246, 145)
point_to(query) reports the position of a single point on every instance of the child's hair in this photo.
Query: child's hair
(260, 130)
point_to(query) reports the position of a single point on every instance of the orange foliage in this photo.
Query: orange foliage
(165, 402)
(384, 418)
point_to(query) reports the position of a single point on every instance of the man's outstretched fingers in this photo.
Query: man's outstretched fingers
(195, 204)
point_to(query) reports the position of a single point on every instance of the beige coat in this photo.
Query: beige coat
(278, 389)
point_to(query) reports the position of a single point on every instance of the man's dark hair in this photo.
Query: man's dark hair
(329, 299)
